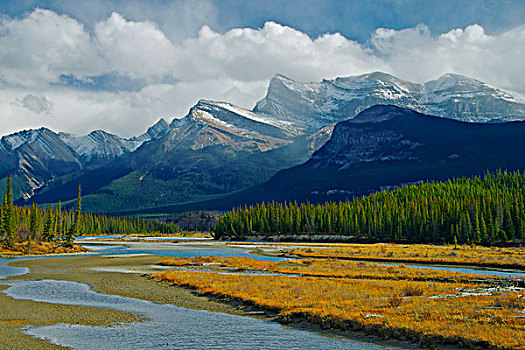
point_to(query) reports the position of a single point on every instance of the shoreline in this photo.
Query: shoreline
(142, 286)
(15, 314)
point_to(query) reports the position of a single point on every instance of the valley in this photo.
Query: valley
(278, 174)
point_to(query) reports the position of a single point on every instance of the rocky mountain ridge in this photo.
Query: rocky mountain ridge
(219, 147)
(37, 156)
(450, 96)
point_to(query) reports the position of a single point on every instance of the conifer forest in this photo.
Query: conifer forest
(49, 222)
(483, 210)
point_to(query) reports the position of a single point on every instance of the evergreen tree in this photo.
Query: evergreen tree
(47, 234)
(74, 228)
(33, 219)
(490, 209)
(8, 219)
(59, 221)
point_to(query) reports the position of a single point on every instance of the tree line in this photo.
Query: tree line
(53, 223)
(484, 210)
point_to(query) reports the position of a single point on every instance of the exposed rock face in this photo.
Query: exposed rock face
(34, 157)
(388, 146)
(214, 123)
(359, 140)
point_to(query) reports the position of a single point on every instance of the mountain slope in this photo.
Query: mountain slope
(290, 111)
(34, 157)
(387, 146)
(382, 148)
(214, 150)
(217, 148)
(37, 158)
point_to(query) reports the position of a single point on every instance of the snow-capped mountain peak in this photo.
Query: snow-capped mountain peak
(455, 85)
(154, 132)
(99, 145)
(13, 141)
(312, 105)
(158, 129)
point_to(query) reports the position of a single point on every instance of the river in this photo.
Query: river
(166, 326)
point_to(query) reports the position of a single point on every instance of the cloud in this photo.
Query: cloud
(415, 54)
(39, 105)
(122, 74)
(134, 49)
(36, 49)
(253, 54)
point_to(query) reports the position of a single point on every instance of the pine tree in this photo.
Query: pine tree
(59, 221)
(33, 220)
(8, 220)
(488, 210)
(74, 229)
(47, 234)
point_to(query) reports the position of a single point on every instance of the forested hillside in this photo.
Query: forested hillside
(483, 210)
(51, 223)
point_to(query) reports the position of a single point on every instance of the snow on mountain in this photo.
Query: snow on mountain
(292, 113)
(102, 146)
(312, 105)
(217, 123)
(34, 157)
(13, 141)
(99, 144)
(155, 131)
(46, 143)
(258, 117)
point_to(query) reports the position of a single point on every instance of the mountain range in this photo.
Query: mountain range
(219, 149)
(385, 147)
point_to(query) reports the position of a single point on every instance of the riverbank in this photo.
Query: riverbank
(96, 271)
(460, 255)
(37, 248)
(384, 286)
(16, 314)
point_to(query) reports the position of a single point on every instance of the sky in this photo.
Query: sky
(120, 65)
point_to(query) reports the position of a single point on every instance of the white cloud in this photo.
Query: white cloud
(253, 54)
(235, 66)
(37, 49)
(415, 54)
(135, 49)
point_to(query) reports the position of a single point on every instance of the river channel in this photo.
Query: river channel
(164, 326)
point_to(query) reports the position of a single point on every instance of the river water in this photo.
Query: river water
(166, 326)
(188, 250)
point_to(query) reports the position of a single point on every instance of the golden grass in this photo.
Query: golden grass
(333, 268)
(420, 253)
(38, 248)
(391, 303)
(240, 263)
